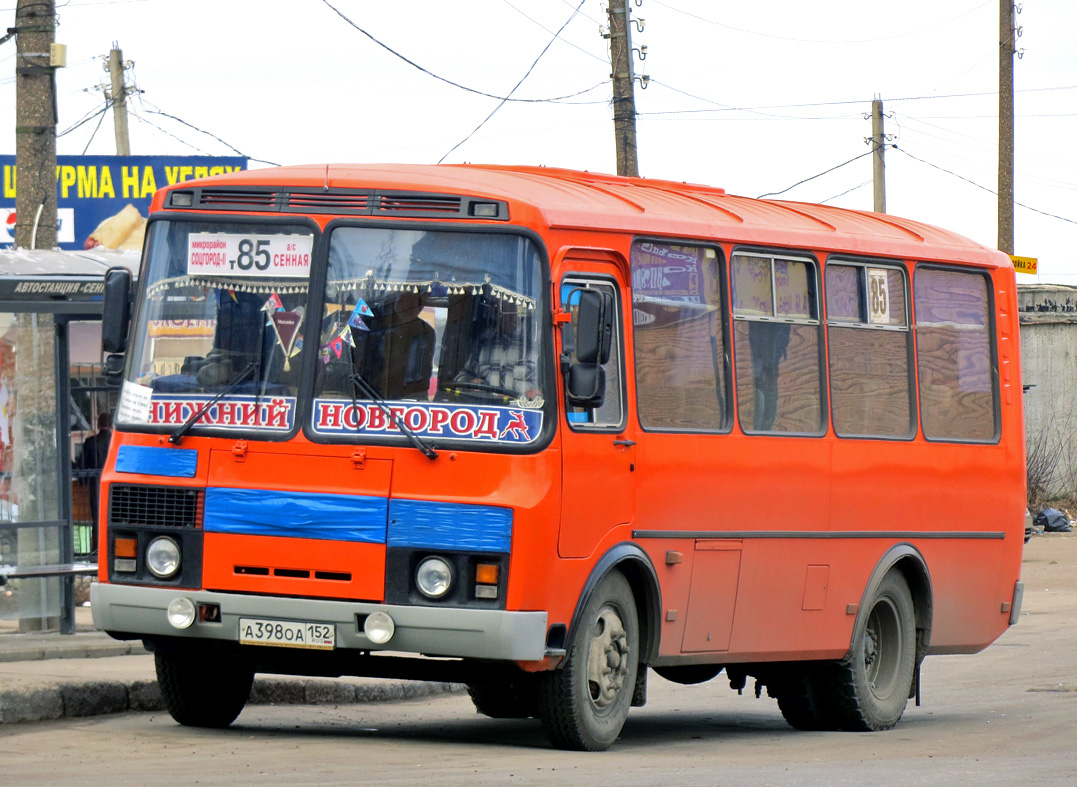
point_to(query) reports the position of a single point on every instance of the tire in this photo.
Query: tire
(506, 699)
(868, 692)
(198, 693)
(803, 699)
(583, 705)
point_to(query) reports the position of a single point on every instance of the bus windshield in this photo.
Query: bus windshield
(445, 321)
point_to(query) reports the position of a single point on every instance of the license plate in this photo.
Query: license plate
(287, 633)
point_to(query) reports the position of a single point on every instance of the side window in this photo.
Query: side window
(954, 355)
(679, 337)
(868, 334)
(610, 415)
(776, 339)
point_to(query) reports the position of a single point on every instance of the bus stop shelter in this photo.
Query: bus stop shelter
(53, 397)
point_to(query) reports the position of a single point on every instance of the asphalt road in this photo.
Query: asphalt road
(1004, 716)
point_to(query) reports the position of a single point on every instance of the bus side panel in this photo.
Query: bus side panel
(969, 494)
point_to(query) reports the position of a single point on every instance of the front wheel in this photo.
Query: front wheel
(583, 705)
(200, 692)
(870, 689)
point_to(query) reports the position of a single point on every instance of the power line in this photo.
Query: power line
(86, 119)
(166, 132)
(158, 111)
(847, 191)
(428, 72)
(525, 76)
(565, 41)
(100, 119)
(719, 107)
(977, 185)
(813, 177)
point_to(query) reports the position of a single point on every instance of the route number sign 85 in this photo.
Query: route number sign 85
(878, 297)
(249, 254)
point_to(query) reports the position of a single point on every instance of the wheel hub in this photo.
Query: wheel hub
(608, 662)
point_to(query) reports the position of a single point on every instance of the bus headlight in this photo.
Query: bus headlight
(163, 557)
(434, 577)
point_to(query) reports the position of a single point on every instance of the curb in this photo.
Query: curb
(93, 650)
(52, 701)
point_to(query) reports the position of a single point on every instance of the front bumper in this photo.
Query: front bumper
(430, 631)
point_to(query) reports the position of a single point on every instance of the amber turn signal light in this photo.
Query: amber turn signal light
(126, 547)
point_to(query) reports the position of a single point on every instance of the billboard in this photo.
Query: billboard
(104, 200)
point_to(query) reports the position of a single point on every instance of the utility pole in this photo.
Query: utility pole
(624, 101)
(878, 164)
(116, 67)
(1007, 49)
(35, 125)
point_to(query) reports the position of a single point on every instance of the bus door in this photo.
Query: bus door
(598, 444)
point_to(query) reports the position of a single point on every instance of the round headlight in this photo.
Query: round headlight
(433, 577)
(180, 613)
(379, 628)
(163, 557)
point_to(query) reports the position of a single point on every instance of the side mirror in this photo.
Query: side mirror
(594, 326)
(117, 312)
(586, 385)
(113, 369)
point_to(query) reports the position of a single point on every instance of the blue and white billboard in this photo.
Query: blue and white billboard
(104, 200)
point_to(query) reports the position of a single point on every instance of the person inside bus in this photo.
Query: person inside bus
(768, 342)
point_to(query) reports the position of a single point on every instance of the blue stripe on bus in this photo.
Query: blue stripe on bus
(265, 512)
(148, 460)
(459, 526)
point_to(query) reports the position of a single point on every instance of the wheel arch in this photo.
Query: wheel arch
(907, 560)
(636, 566)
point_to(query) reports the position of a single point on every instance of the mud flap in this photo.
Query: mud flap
(639, 692)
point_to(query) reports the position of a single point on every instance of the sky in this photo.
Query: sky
(757, 98)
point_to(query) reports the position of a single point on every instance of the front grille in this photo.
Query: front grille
(340, 202)
(154, 506)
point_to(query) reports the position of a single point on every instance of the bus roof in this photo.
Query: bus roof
(570, 199)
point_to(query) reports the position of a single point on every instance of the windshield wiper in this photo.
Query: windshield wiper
(364, 388)
(177, 435)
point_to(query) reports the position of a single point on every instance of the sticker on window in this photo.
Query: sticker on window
(497, 424)
(135, 402)
(274, 413)
(249, 254)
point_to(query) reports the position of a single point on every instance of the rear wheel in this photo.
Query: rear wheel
(869, 691)
(583, 705)
(803, 699)
(200, 692)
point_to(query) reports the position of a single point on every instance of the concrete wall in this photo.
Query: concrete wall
(1049, 365)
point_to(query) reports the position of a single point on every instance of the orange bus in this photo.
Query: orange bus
(543, 432)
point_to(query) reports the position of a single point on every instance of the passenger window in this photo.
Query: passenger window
(954, 356)
(610, 414)
(868, 335)
(679, 337)
(776, 338)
